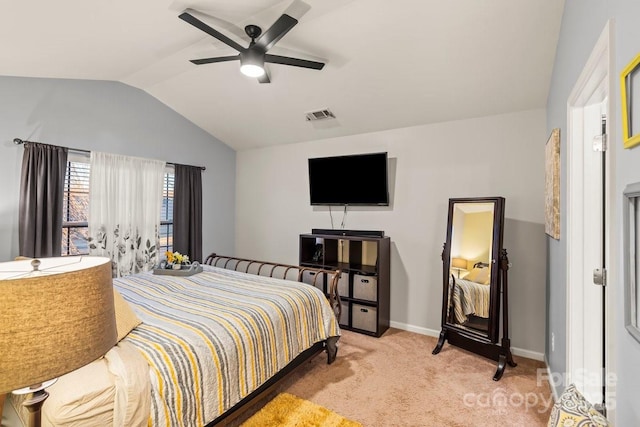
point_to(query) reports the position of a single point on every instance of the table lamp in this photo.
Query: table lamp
(458, 264)
(56, 315)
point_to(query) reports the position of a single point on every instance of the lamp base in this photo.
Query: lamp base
(35, 402)
(33, 405)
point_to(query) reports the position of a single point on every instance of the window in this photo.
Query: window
(75, 212)
(166, 214)
(75, 208)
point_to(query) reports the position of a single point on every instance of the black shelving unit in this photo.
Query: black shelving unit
(364, 288)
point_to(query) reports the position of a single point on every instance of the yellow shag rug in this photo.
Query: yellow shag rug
(287, 410)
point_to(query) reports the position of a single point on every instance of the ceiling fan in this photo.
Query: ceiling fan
(253, 57)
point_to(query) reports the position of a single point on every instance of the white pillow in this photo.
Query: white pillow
(478, 275)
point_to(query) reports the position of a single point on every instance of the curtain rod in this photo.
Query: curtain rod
(19, 141)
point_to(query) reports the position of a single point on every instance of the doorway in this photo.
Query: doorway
(589, 185)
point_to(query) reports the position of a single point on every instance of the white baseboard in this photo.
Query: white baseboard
(416, 329)
(535, 355)
(435, 333)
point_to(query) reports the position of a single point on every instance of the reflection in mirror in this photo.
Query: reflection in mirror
(632, 259)
(470, 265)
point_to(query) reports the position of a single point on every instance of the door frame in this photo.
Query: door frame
(595, 85)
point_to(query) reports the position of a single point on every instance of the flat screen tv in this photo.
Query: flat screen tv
(359, 179)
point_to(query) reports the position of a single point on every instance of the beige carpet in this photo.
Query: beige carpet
(394, 380)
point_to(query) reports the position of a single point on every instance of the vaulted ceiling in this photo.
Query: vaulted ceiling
(390, 64)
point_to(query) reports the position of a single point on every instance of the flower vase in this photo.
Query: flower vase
(177, 266)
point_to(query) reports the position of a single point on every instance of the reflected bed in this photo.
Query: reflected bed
(470, 296)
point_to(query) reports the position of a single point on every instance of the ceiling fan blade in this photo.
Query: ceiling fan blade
(276, 32)
(265, 77)
(215, 59)
(207, 29)
(285, 60)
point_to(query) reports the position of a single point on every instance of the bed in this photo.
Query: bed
(199, 347)
(469, 296)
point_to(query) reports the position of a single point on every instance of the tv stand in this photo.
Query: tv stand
(355, 233)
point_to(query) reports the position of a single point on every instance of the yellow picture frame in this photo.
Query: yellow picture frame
(630, 115)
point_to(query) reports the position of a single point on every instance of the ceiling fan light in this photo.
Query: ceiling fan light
(252, 63)
(251, 70)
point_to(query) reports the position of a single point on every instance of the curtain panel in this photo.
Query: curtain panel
(41, 198)
(187, 211)
(124, 211)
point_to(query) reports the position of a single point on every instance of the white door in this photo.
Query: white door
(588, 187)
(585, 251)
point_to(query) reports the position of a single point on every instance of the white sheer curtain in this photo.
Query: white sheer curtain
(124, 211)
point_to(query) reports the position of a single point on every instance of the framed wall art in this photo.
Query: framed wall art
(631, 225)
(552, 185)
(630, 96)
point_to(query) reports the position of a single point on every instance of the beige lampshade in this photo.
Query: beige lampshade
(53, 320)
(459, 263)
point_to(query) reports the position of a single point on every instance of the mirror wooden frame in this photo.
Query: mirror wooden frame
(488, 345)
(631, 223)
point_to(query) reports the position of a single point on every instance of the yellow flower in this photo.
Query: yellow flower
(176, 258)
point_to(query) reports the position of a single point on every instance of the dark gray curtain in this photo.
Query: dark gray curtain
(41, 198)
(187, 211)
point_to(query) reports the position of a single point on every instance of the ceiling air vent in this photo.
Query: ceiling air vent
(320, 115)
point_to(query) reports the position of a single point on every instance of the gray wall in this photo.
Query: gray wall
(582, 23)
(116, 118)
(487, 156)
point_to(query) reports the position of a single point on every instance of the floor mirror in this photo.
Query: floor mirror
(475, 265)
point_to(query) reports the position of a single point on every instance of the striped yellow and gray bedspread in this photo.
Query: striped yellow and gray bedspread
(212, 338)
(469, 298)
